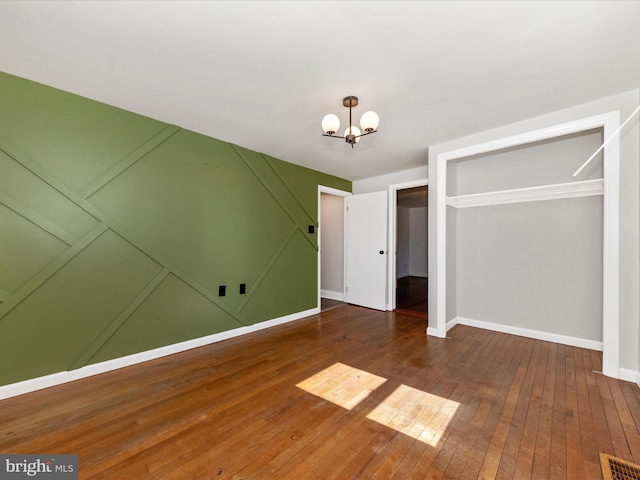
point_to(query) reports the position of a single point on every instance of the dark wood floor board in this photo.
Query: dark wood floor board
(504, 371)
(360, 455)
(526, 452)
(420, 455)
(493, 456)
(514, 438)
(178, 451)
(492, 405)
(589, 443)
(602, 433)
(572, 420)
(188, 406)
(316, 449)
(475, 411)
(411, 294)
(632, 432)
(284, 452)
(542, 452)
(619, 444)
(630, 428)
(467, 394)
(558, 458)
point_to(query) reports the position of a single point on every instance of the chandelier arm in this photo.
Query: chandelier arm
(334, 136)
(366, 133)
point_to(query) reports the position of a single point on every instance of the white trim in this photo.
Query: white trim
(452, 323)
(333, 191)
(440, 250)
(611, 251)
(576, 126)
(59, 378)
(432, 332)
(529, 194)
(340, 193)
(332, 295)
(529, 333)
(628, 375)
(391, 258)
(611, 235)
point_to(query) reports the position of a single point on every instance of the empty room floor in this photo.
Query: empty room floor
(350, 393)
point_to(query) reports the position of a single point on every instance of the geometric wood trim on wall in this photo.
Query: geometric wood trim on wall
(236, 210)
(270, 186)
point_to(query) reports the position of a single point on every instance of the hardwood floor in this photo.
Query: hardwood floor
(330, 304)
(411, 295)
(268, 406)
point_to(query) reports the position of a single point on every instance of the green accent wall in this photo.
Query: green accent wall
(116, 231)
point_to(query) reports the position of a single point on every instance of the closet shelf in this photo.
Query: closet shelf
(556, 191)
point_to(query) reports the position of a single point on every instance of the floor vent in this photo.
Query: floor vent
(617, 469)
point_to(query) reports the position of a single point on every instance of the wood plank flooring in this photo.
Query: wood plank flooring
(411, 295)
(267, 406)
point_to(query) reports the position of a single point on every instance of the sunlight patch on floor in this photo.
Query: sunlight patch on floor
(415, 413)
(341, 384)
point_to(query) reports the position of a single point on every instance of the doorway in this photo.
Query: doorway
(411, 250)
(331, 248)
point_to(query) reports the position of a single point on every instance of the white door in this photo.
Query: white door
(366, 250)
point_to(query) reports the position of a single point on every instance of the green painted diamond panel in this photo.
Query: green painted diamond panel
(304, 181)
(73, 137)
(25, 249)
(174, 312)
(41, 198)
(196, 203)
(285, 289)
(46, 333)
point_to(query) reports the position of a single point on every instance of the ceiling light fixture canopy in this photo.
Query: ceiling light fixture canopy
(369, 123)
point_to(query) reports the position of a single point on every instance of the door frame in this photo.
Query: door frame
(393, 227)
(339, 193)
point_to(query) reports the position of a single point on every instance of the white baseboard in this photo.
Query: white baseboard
(526, 332)
(432, 331)
(332, 295)
(629, 375)
(452, 323)
(59, 378)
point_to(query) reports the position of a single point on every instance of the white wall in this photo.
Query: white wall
(629, 216)
(382, 182)
(332, 245)
(403, 243)
(418, 242)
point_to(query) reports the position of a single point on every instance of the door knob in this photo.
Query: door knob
(381, 252)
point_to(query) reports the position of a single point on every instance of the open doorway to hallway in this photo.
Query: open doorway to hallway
(411, 250)
(331, 248)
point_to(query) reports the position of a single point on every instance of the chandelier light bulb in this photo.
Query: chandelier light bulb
(330, 124)
(369, 121)
(353, 131)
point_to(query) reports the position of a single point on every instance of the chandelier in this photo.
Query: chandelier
(369, 123)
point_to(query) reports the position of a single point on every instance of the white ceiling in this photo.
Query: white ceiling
(263, 74)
